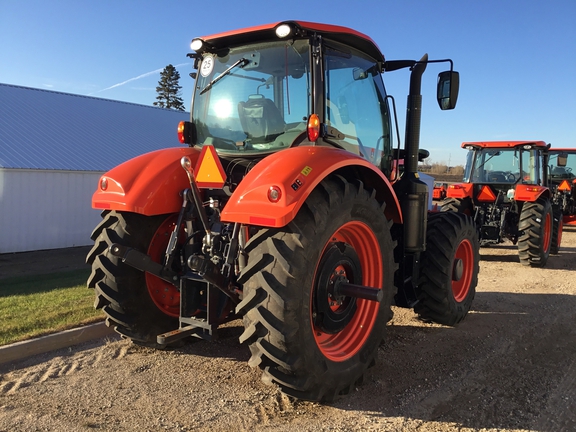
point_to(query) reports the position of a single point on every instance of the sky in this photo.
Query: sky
(517, 59)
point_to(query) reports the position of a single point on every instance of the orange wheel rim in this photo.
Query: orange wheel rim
(164, 295)
(547, 232)
(465, 253)
(349, 340)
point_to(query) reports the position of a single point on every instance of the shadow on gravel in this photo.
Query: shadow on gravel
(564, 260)
(511, 364)
(227, 345)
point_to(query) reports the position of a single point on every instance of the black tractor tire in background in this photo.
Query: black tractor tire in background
(312, 345)
(138, 305)
(557, 228)
(449, 268)
(458, 205)
(535, 232)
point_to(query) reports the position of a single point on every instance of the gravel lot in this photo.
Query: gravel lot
(511, 365)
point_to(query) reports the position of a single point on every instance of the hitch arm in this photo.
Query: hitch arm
(143, 262)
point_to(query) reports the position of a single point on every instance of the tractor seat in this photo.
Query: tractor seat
(260, 118)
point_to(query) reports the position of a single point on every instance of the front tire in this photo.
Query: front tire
(535, 227)
(313, 345)
(138, 305)
(449, 272)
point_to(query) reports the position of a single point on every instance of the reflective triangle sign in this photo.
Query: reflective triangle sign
(209, 173)
(486, 195)
(564, 186)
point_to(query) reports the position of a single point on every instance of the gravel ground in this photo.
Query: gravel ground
(510, 365)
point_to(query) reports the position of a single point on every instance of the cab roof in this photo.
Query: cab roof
(501, 144)
(267, 32)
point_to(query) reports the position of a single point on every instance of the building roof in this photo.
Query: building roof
(41, 129)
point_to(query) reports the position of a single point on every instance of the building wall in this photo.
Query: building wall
(46, 209)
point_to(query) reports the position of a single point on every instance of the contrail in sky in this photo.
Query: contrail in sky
(135, 78)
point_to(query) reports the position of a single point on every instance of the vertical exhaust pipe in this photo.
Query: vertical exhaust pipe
(411, 191)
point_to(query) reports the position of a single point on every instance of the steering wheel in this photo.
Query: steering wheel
(510, 177)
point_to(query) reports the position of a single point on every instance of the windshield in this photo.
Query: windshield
(562, 165)
(253, 99)
(507, 165)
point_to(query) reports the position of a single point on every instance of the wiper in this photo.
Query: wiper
(242, 62)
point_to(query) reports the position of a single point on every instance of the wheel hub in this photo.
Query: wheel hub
(457, 270)
(333, 312)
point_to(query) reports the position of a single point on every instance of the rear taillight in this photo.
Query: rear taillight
(313, 127)
(186, 132)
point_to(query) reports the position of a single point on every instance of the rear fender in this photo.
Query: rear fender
(295, 172)
(149, 184)
(530, 193)
(460, 190)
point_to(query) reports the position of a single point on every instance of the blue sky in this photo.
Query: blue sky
(517, 59)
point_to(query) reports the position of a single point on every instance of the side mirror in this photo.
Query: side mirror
(359, 74)
(447, 89)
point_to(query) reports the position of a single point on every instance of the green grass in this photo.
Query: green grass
(32, 306)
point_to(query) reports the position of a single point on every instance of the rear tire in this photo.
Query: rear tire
(557, 228)
(458, 205)
(449, 272)
(138, 305)
(312, 349)
(535, 228)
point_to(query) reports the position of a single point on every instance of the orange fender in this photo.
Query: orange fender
(295, 172)
(530, 193)
(149, 184)
(460, 190)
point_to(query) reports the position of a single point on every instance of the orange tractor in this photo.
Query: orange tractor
(280, 211)
(562, 165)
(505, 190)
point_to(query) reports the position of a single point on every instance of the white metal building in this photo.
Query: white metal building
(53, 149)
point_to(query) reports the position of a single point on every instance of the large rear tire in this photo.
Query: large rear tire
(313, 345)
(138, 305)
(449, 272)
(557, 228)
(535, 227)
(458, 205)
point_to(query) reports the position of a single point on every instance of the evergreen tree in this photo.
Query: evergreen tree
(169, 90)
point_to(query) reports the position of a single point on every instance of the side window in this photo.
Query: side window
(356, 105)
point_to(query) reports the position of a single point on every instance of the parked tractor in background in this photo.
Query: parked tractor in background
(280, 211)
(505, 190)
(562, 164)
(439, 192)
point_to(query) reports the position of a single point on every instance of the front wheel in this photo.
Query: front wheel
(449, 269)
(310, 341)
(535, 227)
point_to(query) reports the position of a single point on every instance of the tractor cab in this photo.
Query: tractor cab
(266, 89)
(495, 169)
